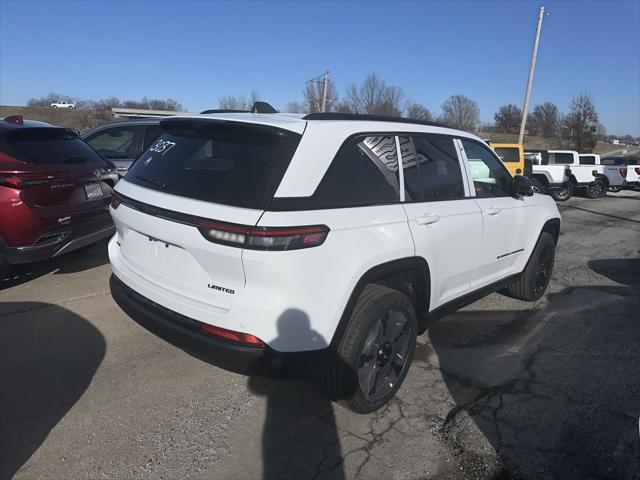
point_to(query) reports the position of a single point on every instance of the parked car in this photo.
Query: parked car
(512, 155)
(615, 176)
(554, 180)
(321, 244)
(54, 192)
(586, 175)
(122, 142)
(630, 166)
(72, 106)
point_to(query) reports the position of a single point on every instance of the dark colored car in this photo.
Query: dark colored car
(123, 141)
(54, 192)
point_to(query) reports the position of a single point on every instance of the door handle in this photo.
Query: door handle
(427, 219)
(492, 211)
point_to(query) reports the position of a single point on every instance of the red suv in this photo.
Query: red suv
(55, 192)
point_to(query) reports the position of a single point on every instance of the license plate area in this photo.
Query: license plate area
(93, 190)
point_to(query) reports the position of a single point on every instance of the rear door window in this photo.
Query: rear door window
(561, 158)
(365, 172)
(152, 132)
(117, 143)
(431, 169)
(587, 160)
(511, 155)
(48, 145)
(228, 163)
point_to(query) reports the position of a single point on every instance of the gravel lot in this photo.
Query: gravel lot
(500, 389)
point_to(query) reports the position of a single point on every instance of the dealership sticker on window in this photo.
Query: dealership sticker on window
(162, 146)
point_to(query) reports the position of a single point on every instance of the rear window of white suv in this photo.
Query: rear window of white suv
(220, 162)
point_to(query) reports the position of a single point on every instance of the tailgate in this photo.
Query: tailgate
(163, 246)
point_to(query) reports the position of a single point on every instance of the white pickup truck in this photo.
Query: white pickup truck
(63, 105)
(560, 172)
(629, 166)
(615, 175)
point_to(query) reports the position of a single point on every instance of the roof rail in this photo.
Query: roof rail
(223, 110)
(362, 116)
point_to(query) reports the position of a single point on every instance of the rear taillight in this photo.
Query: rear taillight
(231, 336)
(623, 172)
(24, 180)
(263, 238)
(637, 169)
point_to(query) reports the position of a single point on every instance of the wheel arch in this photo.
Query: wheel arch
(604, 178)
(542, 178)
(409, 275)
(552, 226)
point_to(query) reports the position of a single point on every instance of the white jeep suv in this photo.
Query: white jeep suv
(320, 244)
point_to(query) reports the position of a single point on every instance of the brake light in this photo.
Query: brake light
(15, 119)
(637, 169)
(24, 180)
(623, 172)
(230, 335)
(263, 238)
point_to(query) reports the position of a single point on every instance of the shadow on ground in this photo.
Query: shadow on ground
(83, 259)
(48, 356)
(556, 391)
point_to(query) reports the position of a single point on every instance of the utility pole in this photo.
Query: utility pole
(324, 91)
(322, 79)
(532, 67)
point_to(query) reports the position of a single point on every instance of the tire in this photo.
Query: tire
(562, 194)
(375, 351)
(537, 186)
(596, 189)
(536, 275)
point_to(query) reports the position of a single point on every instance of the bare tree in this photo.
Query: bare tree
(375, 97)
(601, 133)
(508, 118)
(231, 102)
(343, 107)
(106, 104)
(314, 93)
(582, 123)
(295, 107)
(544, 120)
(461, 112)
(418, 112)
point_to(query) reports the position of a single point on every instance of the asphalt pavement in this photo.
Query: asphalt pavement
(501, 389)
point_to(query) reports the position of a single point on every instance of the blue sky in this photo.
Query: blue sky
(198, 51)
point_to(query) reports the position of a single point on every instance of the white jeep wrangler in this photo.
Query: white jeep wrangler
(320, 244)
(561, 172)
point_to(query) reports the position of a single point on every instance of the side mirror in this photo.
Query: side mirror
(522, 186)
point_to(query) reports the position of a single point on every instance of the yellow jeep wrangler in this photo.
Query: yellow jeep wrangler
(512, 155)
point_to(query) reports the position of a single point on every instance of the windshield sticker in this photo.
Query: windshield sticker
(162, 146)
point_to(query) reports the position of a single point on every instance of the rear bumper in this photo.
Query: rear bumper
(185, 333)
(62, 242)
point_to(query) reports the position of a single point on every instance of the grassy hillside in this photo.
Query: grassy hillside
(542, 143)
(81, 120)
